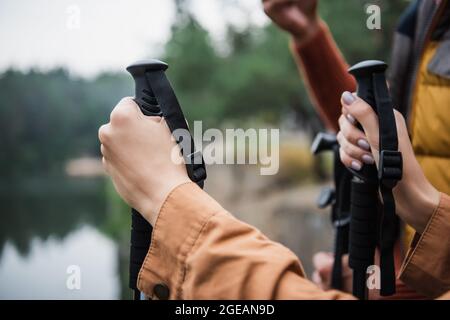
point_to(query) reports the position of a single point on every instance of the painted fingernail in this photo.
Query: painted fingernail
(367, 158)
(348, 98)
(356, 165)
(363, 144)
(351, 119)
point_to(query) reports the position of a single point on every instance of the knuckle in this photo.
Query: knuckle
(341, 121)
(119, 116)
(346, 129)
(102, 150)
(345, 159)
(351, 134)
(267, 7)
(363, 111)
(352, 151)
(362, 106)
(123, 111)
(126, 100)
(346, 146)
(339, 137)
(399, 117)
(105, 164)
(104, 133)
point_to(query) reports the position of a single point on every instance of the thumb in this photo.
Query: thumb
(298, 18)
(128, 106)
(124, 111)
(323, 263)
(363, 113)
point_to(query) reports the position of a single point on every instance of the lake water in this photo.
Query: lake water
(49, 227)
(44, 271)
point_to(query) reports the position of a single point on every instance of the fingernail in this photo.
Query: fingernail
(363, 144)
(351, 119)
(348, 98)
(356, 165)
(367, 158)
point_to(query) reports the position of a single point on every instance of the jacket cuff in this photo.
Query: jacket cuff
(320, 37)
(426, 266)
(180, 221)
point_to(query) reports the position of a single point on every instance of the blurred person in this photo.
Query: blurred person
(200, 251)
(419, 82)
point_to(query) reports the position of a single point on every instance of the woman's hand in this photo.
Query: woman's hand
(138, 153)
(323, 267)
(415, 197)
(298, 17)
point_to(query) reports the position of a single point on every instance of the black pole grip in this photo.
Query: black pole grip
(363, 73)
(141, 230)
(144, 96)
(363, 232)
(364, 191)
(141, 233)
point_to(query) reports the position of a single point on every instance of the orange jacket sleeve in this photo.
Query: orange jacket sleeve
(427, 265)
(325, 72)
(200, 251)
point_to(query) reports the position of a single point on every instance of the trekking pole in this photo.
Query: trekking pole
(374, 223)
(155, 97)
(339, 200)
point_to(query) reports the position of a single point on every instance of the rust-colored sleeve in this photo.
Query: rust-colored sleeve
(427, 265)
(200, 251)
(325, 72)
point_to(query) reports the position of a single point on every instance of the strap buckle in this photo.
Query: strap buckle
(391, 168)
(196, 166)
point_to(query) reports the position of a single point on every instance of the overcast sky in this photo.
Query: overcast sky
(89, 36)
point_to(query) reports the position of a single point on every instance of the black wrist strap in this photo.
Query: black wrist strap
(175, 120)
(340, 219)
(389, 173)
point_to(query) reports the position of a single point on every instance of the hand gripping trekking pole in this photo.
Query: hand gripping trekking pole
(374, 223)
(155, 97)
(339, 199)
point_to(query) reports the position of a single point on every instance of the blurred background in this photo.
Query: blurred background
(62, 71)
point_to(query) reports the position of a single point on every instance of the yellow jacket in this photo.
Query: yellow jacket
(430, 119)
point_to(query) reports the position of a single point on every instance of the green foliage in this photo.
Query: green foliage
(257, 78)
(193, 61)
(347, 22)
(48, 117)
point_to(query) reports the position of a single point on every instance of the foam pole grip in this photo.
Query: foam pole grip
(363, 232)
(141, 232)
(340, 244)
